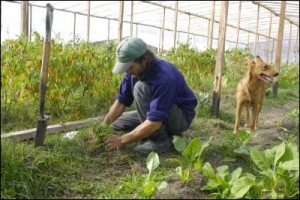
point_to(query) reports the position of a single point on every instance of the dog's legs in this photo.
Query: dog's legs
(256, 119)
(237, 118)
(247, 117)
(255, 112)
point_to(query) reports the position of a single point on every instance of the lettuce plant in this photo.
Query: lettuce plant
(191, 157)
(224, 184)
(278, 168)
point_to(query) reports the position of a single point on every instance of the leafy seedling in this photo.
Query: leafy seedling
(279, 168)
(224, 184)
(191, 157)
(150, 187)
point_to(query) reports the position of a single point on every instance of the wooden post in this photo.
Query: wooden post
(121, 20)
(279, 46)
(188, 33)
(289, 45)
(256, 34)
(30, 19)
(219, 60)
(108, 30)
(211, 25)
(24, 18)
(270, 28)
(131, 19)
(74, 30)
(162, 31)
(175, 23)
(88, 20)
(238, 25)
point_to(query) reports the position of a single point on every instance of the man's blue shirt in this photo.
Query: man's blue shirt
(168, 87)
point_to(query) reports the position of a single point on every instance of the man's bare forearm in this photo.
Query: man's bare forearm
(143, 130)
(114, 112)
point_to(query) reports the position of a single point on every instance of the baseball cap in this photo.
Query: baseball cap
(128, 50)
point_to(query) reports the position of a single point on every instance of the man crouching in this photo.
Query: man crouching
(165, 104)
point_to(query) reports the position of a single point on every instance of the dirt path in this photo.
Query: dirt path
(275, 123)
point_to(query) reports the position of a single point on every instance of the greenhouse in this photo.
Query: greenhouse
(212, 88)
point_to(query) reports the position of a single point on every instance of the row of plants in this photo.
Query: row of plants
(274, 172)
(80, 82)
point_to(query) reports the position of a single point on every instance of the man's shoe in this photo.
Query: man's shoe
(158, 147)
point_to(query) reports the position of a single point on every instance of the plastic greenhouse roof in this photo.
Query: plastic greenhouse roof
(151, 13)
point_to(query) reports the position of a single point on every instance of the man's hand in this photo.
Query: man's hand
(113, 142)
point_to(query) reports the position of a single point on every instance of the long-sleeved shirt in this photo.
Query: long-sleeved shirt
(168, 87)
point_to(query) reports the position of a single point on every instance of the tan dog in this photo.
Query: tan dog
(251, 91)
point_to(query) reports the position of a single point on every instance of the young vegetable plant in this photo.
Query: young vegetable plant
(191, 157)
(150, 187)
(224, 184)
(279, 169)
(238, 144)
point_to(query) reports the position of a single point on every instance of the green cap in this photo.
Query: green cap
(128, 50)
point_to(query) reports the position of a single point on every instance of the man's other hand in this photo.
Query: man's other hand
(113, 142)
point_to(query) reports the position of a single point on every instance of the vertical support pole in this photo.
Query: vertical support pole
(238, 25)
(273, 46)
(269, 37)
(256, 34)
(211, 25)
(219, 60)
(289, 45)
(88, 21)
(175, 23)
(108, 30)
(30, 19)
(162, 31)
(188, 34)
(121, 20)
(131, 19)
(24, 18)
(74, 30)
(248, 39)
(279, 46)
(296, 47)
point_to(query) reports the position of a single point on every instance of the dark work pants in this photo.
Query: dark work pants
(175, 125)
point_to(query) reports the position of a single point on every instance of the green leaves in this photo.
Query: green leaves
(150, 186)
(241, 186)
(191, 157)
(259, 159)
(279, 167)
(152, 162)
(224, 184)
(179, 143)
(184, 174)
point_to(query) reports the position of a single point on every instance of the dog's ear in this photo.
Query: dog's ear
(258, 59)
(250, 62)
